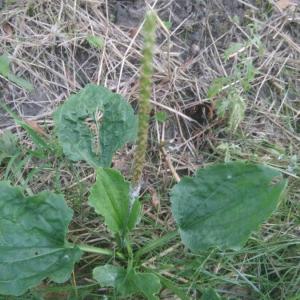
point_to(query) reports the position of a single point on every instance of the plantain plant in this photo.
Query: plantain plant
(219, 207)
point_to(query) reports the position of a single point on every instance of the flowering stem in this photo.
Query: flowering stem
(144, 101)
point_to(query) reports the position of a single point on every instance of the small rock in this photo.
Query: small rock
(195, 49)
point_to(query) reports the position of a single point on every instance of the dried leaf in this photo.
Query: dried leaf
(42, 288)
(62, 295)
(165, 80)
(35, 127)
(8, 30)
(155, 199)
(282, 4)
(121, 164)
(187, 63)
(134, 32)
(211, 110)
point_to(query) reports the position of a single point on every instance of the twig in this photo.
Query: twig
(170, 165)
(173, 111)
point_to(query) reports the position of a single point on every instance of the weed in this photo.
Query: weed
(219, 208)
(234, 86)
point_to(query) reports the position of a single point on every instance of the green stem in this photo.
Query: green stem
(157, 243)
(118, 240)
(97, 250)
(130, 253)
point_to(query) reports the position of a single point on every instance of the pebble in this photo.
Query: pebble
(195, 49)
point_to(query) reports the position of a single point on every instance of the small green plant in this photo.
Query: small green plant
(95, 41)
(233, 87)
(220, 207)
(228, 150)
(160, 116)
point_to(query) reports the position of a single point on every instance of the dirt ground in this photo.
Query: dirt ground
(47, 46)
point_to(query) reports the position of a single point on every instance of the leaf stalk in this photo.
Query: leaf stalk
(97, 250)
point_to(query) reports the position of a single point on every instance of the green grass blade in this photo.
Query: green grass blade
(18, 166)
(39, 142)
(33, 172)
(20, 82)
(157, 243)
(9, 165)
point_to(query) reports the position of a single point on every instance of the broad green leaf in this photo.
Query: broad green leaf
(223, 204)
(32, 240)
(118, 126)
(128, 283)
(5, 71)
(210, 294)
(95, 41)
(110, 198)
(160, 116)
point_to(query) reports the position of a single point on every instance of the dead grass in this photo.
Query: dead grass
(46, 42)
